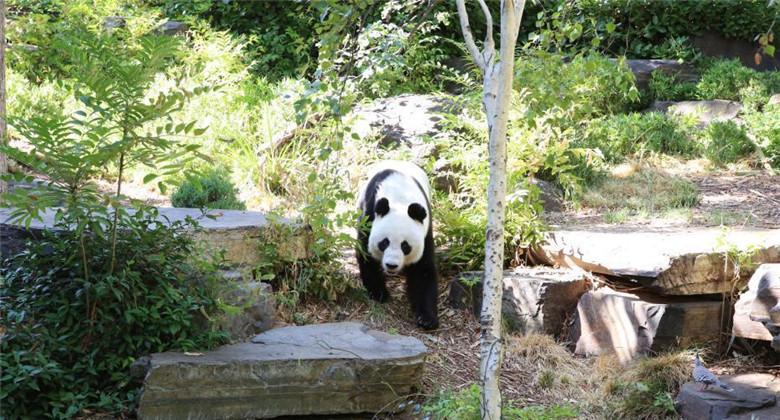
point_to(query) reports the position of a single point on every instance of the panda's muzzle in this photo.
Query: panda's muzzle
(392, 269)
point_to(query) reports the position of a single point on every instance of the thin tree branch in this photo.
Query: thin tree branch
(420, 18)
(468, 37)
(490, 45)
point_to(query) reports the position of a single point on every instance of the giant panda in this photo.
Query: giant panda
(396, 236)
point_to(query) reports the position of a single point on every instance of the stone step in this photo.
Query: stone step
(538, 299)
(627, 325)
(321, 369)
(238, 232)
(671, 261)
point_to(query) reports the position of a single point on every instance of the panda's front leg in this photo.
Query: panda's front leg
(373, 279)
(422, 289)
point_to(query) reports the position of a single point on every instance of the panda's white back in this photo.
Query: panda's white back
(409, 169)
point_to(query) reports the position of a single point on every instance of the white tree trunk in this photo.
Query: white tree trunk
(3, 126)
(497, 92)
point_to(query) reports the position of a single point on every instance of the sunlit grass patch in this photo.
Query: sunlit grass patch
(641, 193)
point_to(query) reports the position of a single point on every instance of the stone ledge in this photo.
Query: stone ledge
(317, 369)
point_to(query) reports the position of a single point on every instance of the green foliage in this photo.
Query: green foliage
(585, 87)
(725, 142)
(636, 134)
(74, 326)
(725, 79)
(465, 405)
(664, 87)
(213, 190)
(766, 128)
(662, 28)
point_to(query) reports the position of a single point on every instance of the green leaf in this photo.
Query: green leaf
(769, 50)
(149, 178)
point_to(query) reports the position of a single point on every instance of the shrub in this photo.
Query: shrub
(587, 86)
(214, 191)
(664, 87)
(766, 128)
(725, 79)
(635, 134)
(74, 327)
(725, 142)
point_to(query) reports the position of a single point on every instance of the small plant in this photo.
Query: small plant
(546, 379)
(726, 142)
(464, 405)
(664, 87)
(214, 191)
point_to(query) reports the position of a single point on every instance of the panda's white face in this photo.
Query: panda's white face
(396, 241)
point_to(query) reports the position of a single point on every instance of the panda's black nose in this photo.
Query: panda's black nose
(391, 266)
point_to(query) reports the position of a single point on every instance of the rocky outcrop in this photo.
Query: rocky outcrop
(627, 325)
(757, 313)
(237, 232)
(643, 71)
(713, 44)
(665, 261)
(705, 111)
(535, 299)
(312, 370)
(754, 397)
(253, 307)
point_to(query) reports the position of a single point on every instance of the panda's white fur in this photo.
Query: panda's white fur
(400, 190)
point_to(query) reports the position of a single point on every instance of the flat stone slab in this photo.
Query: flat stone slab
(627, 325)
(754, 398)
(643, 71)
(705, 111)
(671, 261)
(237, 232)
(321, 369)
(538, 299)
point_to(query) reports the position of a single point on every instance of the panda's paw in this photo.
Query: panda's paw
(427, 322)
(380, 296)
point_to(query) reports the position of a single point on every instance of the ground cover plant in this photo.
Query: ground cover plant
(264, 111)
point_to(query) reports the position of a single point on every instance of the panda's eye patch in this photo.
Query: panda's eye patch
(383, 244)
(406, 248)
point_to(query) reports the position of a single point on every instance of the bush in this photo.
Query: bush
(73, 328)
(725, 79)
(587, 86)
(664, 87)
(636, 134)
(214, 191)
(766, 127)
(725, 142)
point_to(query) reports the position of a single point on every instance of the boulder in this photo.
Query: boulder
(705, 111)
(757, 312)
(627, 325)
(671, 261)
(408, 120)
(535, 299)
(253, 307)
(173, 28)
(774, 99)
(713, 44)
(551, 196)
(754, 397)
(322, 369)
(643, 70)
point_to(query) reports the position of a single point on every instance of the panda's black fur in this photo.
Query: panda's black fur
(421, 276)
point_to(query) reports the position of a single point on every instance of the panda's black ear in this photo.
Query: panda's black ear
(382, 207)
(417, 212)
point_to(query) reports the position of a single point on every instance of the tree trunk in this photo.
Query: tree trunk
(497, 91)
(3, 126)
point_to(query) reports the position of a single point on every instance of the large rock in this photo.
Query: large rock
(671, 261)
(643, 71)
(318, 369)
(405, 120)
(705, 111)
(754, 398)
(757, 312)
(238, 232)
(535, 299)
(253, 307)
(713, 44)
(624, 324)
